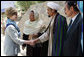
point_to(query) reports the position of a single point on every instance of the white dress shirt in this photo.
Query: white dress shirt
(74, 18)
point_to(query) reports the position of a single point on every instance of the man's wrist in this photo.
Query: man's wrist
(37, 40)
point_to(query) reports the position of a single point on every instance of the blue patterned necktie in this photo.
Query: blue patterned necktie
(69, 25)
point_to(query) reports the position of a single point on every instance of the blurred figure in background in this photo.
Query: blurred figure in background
(80, 6)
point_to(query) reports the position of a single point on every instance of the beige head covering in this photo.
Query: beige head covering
(33, 27)
(36, 15)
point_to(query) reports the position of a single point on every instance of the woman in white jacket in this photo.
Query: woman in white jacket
(12, 34)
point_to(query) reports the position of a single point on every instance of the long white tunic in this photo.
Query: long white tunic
(48, 36)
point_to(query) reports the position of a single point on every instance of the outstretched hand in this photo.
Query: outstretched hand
(31, 42)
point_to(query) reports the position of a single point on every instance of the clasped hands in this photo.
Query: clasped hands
(33, 38)
(31, 42)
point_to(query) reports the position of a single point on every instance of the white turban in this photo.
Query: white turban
(53, 5)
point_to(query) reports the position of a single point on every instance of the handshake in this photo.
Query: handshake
(30, 42)
(33, 42)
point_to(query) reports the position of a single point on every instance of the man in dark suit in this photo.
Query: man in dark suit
(72, 44)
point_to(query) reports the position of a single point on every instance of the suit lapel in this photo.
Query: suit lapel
(74, 25)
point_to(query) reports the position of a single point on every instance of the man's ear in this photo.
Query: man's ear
(71, 8)
(53, 10)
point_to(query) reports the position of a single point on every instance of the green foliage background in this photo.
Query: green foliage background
(26, 4)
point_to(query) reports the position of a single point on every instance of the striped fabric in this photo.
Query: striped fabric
(59, 35)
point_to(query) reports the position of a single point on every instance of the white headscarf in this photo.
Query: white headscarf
(33, 27)
(53, 5)
(36, 15)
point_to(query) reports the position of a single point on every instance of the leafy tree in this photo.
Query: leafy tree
(26, 4)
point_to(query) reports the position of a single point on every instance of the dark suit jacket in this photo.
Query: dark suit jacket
(72, 44)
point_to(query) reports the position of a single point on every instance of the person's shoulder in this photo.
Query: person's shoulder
(27, 21)
(10, 27)
(61, 17)
(41, 21)
(80, 21)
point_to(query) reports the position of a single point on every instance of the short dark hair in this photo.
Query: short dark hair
(74, 4)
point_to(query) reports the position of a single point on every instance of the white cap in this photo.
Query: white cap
(53, 5)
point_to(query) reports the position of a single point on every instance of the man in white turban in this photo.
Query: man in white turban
(56, 31)
(53, 5)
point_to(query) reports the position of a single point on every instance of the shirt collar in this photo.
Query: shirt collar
(74, 17)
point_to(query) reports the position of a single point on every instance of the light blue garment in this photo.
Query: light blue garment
(80, 6)
(11, 22)
(82, 38)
